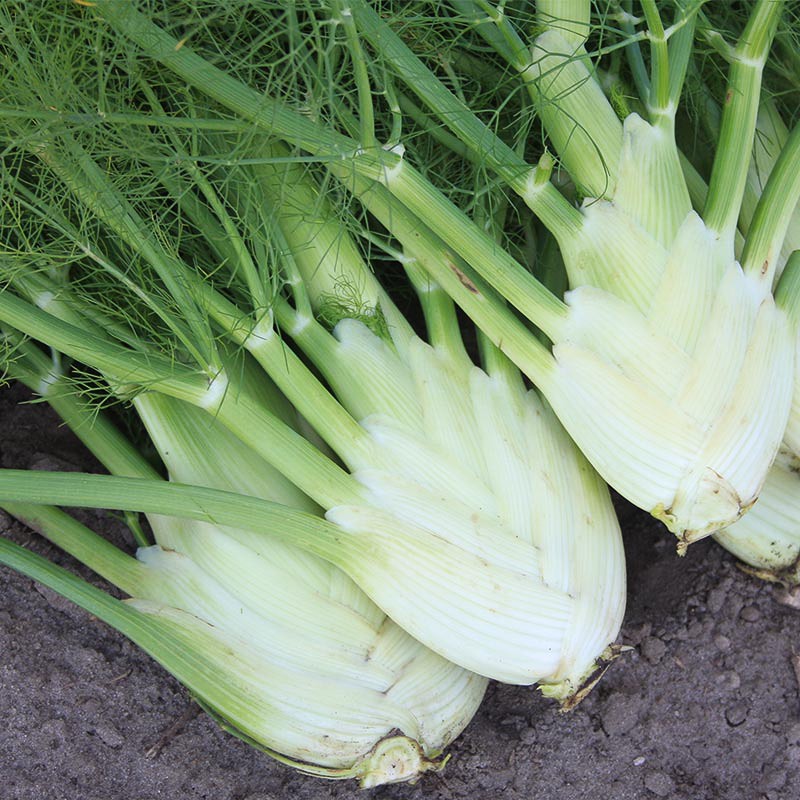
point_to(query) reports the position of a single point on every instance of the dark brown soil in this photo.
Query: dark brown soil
(704, 707)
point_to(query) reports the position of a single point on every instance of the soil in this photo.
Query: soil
(705, 705)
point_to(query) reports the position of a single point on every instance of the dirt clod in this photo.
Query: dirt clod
(653, 649)
(620, 713)
(659, 783)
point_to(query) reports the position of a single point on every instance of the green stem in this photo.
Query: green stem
(135, 369)
(441, 321)
(366, 111)
(681, 47)
(321, 246)
(659, 98)
(580, 121)
(476, 247)
(451, 111)
(729, 174)
(787, 292)
(308, 395)
(84, 119)
(32, 367)
(551, 207)
(435, 130)
(74, 489)
(102, 557)
(571, 18)
(633, 52)
(774, 212)
(494, 26)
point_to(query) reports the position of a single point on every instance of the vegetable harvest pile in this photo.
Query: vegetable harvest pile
(365, 305)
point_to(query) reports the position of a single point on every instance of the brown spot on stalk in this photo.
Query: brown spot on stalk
(728, 96)
(764, 267)
(463, 279)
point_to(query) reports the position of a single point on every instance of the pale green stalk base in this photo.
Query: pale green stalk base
(768, 537)
(700, 390)
(320, 677)
(319, 623)
(251, 702)
(330, 679)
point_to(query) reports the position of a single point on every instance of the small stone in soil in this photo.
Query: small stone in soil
(722, 642)
(736, 714)
(750, 614)
(716, 599)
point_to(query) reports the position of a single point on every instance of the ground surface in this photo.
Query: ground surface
(705, 707)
